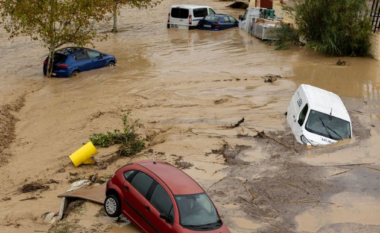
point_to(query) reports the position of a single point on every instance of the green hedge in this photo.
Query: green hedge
(334, 27)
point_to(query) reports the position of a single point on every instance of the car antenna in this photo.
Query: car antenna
(331, 112)
(154, 159)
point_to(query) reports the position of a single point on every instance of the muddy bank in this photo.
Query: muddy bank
(7, 127)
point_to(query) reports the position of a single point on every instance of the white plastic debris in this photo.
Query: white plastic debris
(49, 217)
(63, 207)
(79, 184)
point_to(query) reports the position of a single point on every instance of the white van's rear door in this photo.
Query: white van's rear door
(179, 17)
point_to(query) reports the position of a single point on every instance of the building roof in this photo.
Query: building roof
(176, 180)
(326, 102)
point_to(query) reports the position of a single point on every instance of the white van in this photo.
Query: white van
(251, 15)
(318, 117)
(187, 16)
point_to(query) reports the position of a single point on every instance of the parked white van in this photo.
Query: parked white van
(187, 16)
(318, 117)
(251, 15)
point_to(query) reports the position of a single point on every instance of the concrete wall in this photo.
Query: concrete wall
(375, 45)
(277, 5)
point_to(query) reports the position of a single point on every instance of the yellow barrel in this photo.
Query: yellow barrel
(84, 155)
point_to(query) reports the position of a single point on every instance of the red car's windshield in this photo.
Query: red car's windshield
(196, 211)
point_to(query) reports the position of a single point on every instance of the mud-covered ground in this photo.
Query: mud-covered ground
(187, 88)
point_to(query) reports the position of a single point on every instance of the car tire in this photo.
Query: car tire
(111, 63)
(74, 73)
(112, 206)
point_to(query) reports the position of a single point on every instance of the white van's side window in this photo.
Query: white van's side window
(200, 12)
(302, 116)
(180, 13)
(211, 11)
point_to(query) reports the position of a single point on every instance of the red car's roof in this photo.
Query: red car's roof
(176, 180)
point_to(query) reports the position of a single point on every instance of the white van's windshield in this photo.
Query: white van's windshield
(328, 126)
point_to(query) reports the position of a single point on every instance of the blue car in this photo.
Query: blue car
(217, 22)
(68, 62)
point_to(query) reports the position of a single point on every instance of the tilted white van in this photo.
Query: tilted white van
(187, 16)
(318, 117)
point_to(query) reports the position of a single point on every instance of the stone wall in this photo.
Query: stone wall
(375, 45)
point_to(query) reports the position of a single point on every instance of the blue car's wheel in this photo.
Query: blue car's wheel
(74, 73)
(111, 63)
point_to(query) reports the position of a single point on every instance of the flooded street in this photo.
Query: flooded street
(187, 87)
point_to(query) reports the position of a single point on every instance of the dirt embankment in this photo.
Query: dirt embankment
(7, 127)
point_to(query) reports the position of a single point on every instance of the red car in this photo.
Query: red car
(160, 198)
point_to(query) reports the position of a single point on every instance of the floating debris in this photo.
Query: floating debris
(34, 186)
(270, 78)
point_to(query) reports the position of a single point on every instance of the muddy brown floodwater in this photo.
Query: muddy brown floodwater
(186, 87)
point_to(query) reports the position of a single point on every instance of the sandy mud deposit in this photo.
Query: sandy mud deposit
(187, 88)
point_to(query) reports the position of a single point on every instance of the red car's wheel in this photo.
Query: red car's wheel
(112, 206)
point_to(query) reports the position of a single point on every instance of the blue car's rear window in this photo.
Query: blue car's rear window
(59, 58)
(211, 18)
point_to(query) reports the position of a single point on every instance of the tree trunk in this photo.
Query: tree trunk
(49, 68)
(50, 61)
(114, 29)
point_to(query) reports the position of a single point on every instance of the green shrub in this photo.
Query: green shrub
(287, 36)
(130, 141)
(334, 27)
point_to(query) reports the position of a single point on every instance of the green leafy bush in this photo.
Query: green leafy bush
(287, 36)
(130, 141)
(334, 27)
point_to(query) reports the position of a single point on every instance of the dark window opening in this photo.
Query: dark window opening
(200, 12)
(93, 54)
(197, 212)
(81, 56)
(128, 174)
(142, 183)
(59, 58)
(162, 202)
(302, 116)
(211, 18)
(232, 20)
(328, 126)
(180, 13)
(226, 19)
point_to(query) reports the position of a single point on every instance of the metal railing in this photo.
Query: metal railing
(375, 15)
